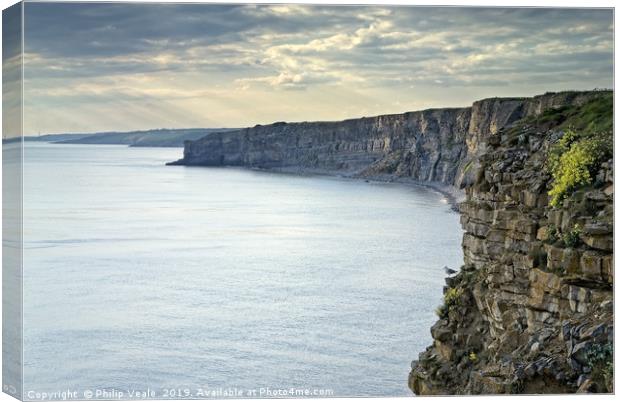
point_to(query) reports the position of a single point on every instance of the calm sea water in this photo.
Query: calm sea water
(140, 276)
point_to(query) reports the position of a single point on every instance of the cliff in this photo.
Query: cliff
(436, 145)
(531, 310)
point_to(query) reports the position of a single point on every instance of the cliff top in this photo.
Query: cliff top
(537, 98)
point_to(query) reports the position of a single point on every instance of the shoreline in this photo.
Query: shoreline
(452, 195)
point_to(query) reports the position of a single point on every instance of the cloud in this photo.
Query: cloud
(11, 72)
(211, 58)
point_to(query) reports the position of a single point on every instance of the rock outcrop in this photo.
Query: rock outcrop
(531, 310)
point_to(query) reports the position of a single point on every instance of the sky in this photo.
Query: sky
(105, 67)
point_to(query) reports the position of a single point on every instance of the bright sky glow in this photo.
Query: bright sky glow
(99, 67)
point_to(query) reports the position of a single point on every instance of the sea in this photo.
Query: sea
(147, 281)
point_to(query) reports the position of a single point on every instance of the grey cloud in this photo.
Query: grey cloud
(72, 48)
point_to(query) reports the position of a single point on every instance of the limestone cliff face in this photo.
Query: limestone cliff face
(531, 309)
(437, 145)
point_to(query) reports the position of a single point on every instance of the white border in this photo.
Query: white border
(478, 3)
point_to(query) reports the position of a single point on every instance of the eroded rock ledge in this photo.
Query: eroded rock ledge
(531, 310)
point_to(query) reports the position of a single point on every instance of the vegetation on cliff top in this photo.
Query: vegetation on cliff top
(587, 143)
(574, 161)
(596, 115)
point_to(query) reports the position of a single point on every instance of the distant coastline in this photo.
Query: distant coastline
(173, 138)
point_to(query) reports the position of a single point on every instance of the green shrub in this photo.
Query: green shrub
(574, 161)
(452, 296)
(450, 300)
(571, 239)
(552, 235)
(588, 141)
(600, 360)
(442, 311)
